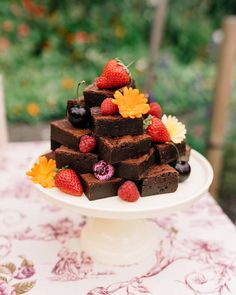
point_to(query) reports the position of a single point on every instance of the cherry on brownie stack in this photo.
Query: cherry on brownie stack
(117, 142)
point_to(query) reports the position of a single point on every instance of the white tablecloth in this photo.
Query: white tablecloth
(40, 251)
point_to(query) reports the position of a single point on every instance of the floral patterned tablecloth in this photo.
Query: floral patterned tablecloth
(40, 252)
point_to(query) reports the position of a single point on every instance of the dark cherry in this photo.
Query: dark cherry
(184, 170)
(78, 116)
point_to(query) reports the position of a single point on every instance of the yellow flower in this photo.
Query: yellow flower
(43, 172)
(33, 109)
(175, 128)
(67, 83)
(131, 103)
(119, 31)
(51, 102)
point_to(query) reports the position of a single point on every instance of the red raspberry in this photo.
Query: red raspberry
(108, 107)
(155, 110)
(128, 191)
(87, 144)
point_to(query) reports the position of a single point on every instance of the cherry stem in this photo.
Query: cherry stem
(176, 149)
(81, 82)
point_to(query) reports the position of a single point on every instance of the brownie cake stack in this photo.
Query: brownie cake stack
(120, 141)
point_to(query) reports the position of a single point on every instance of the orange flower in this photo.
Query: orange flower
(4, 45)
(43, 172)
(7, 26)
(67, 83)
(119, 32)
(131, 103)
(33, 109)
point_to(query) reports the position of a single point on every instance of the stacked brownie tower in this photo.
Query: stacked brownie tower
(120, 142)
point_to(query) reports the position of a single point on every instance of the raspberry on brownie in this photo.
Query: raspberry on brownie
(63, 133)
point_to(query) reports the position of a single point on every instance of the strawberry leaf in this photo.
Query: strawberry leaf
(147, 122)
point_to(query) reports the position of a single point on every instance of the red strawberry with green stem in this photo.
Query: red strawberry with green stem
(157, 130)
(115, 75)
(68, 182)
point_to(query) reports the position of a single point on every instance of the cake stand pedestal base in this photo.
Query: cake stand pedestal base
(118, 242)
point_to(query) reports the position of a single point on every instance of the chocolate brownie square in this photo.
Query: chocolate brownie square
(96, 189)
(62, 132)
(134, 169)
(79, 162)
(50, 155)
(117, 149)
(159, 179)
(114, 125)
(54, 145)
(166, 152)
(93, 96)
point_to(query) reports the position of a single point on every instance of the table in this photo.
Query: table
(40, 252)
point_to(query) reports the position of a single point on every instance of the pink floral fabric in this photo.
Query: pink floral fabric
(40, 254)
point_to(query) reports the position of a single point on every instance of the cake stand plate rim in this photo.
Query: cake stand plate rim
(114, 208)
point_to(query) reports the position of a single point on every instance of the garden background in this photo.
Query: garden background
(47, 46)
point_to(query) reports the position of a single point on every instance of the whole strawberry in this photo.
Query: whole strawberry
(158, 131)
(155, 110)
(68, 182)
(114, 75)
(108, 107)
(128, 191)
(87, 143)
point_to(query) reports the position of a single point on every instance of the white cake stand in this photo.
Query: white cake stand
(117, 232)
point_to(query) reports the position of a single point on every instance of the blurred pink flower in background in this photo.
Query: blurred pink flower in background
(99, 291)
(7, 26)
(33, 9)
(83, 37)
(4, 44)
(15, 9)
(25, 272)
(23, 30)
(198, 130)
(6, 289)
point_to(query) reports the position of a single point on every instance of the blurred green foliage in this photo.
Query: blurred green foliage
(47, 46)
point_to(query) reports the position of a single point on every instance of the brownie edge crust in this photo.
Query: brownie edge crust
(95, 189)
(114, 150)
(160, 179)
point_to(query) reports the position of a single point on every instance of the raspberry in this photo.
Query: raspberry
(108, 107)
(128, 191)
(155, 110)
(87, 144)
(103, 171)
